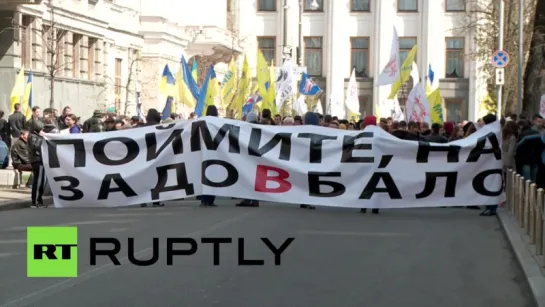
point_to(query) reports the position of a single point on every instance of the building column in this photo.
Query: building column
(84, 57)
(38, 53)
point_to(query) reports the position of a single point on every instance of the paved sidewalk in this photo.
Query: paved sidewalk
(11, 199)
(528, 261)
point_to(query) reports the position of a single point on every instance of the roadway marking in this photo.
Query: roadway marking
(82, 277)
(118, 229)
(359, 234)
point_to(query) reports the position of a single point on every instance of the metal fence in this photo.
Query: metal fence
(525, 202)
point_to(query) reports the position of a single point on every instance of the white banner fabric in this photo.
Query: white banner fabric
(214, 156)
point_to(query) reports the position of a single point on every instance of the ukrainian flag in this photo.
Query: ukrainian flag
(168, 86)
(187, 88)
(194, 70)
(18, 89)
(210, 89)
(27, 99)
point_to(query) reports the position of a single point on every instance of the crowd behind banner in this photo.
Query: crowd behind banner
(355, 178)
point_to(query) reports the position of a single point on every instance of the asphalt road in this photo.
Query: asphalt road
(340, 258)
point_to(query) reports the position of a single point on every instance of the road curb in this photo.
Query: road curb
(22, 204)
(526, 259)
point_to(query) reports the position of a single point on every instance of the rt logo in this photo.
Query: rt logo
(52, 252)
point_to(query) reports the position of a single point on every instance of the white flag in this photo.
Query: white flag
(398, 113)
(284, 84)
(390, 73)
(352, 101)
(415, 75)
(417, 107)
(300, 106)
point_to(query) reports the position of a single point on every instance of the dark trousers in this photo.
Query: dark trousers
(208, 199)
(38, 183)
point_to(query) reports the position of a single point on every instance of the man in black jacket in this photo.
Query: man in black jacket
(95, 123)
(435, 135)
(16, 122)
(20, 159)
(35, 140)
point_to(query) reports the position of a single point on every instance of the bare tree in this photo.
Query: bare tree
(482, 24)
(534, 76)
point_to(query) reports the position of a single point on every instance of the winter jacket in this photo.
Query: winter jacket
(93, 124)
(19, 152)
(406, 135)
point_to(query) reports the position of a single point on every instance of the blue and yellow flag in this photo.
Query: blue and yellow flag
(188, 92)
(27, 98)
(18, 89)
(194, 71)
(210, 89)
(168, 109)
(167, 86)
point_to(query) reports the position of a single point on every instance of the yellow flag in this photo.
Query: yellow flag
(405, 72)
(18, 89)
(243, 90)
(272, 91)
(436, 106)
(229, 84)
(264, 82)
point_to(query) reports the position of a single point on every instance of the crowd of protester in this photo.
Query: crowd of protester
(523, 143)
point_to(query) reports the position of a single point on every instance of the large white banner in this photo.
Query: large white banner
(299, 164)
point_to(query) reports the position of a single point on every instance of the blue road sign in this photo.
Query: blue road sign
(500, 59)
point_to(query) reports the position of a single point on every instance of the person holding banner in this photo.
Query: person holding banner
(311, 119)
(153, 118)
(208, 200)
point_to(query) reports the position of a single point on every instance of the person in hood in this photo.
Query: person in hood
(35, 138)
(310, 119)
(152, 118)
(208, 200)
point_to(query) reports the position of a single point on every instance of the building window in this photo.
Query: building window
(455, 57)
(118, 85)
(267, 46)
(313, 55)
(406, 44)
(455, 5)
(359, 49)
(453, 110)
(407, 5)
(92, 56)
(309, 8)
(266, 5)
(76, 53)
(359, 6)
(26, 41)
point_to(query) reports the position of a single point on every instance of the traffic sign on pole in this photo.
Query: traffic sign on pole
(500, 77)
(500, 59)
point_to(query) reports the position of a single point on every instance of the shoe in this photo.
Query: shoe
(303, 206)
(212, 205)
(158, 205)
(487, 213)
(203, 205)
(33, 206)
(363, 210)
(143, 205)
(311, 207)
(374, 211)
